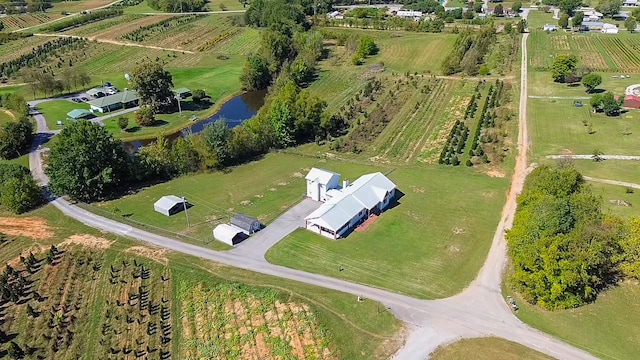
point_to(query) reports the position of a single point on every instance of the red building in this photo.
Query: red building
(631, 101)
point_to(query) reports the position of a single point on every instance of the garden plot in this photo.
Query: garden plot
(625, 53)
(229, 321)
(14, 22)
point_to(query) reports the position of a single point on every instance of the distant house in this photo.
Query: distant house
(246, 223)
(77, 114)
(621, 16)
(335, 15)
(631, 101)
(182, 92)
(549, 27)
(630, 3)
(409, 14)
(592, 15)
(170, 205)
(125, 99)
(609, 29)
(228, 234)
(591, 26)
(319, 181)
(347, 207)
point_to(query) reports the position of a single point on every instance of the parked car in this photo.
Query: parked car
(512, 303)
(85, 98)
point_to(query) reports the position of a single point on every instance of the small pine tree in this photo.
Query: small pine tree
(455, 161)
(469, 163)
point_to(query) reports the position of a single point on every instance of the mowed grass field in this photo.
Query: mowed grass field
(612, 194)
(621, 170)
(607, 328)
(430, 245)
(106, 295)
(489, 348)
(57, 110)
(557, 126)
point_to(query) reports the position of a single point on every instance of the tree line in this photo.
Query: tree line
(83, 19)
(21, 6)
(49, 83)
(469, 51)
(177, 6)
(564, 249)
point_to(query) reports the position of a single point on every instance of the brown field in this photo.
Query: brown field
(14, 22)
(33, 228)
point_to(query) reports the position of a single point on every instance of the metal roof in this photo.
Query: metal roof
(167, 202)
(226, 233)
(243, 221)
(78, 113)
(320, 175)
(363, 194)
(181, 90)
(121, 97)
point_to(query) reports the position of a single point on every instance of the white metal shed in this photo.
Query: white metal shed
(170, 205)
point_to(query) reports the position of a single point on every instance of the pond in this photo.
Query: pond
(237, 110)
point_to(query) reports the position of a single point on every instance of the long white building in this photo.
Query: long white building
(346, 207)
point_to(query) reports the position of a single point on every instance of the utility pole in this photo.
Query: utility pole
(179, 106)
(186, 213)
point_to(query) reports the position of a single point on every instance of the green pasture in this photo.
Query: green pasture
(489, 348)
(607, 328)
(431, 245)
(541, 84)
(620, 170)
(612, 193)
(556, 126)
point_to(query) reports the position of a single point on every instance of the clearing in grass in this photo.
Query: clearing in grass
(489, 348)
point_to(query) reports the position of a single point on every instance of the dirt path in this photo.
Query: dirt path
(612, 182)
(121, 43)
(590, 157)
(9, 113)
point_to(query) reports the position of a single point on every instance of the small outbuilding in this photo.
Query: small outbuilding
(631, 101)
(609, 29)
(228, 234)
(182, 92)
(170, 205)
(549, 27)
(246, 223)
(77, 114)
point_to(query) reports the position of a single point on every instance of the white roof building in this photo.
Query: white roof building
(609, 29)
(228, 234)
(549, 27)
(319, 181)
(170, 205)
(409, 14)
(347, 207)
(630, 3)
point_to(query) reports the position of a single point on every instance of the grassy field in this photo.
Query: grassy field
(540, 84)
(607, 328)
(621, 170)
(57, 110)
(490, 348)
(104, 295)
(5, 116)
(430, 245)
(558, 126)
(611, 194)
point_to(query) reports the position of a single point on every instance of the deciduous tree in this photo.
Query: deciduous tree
(86, 162)
(577, 18)
(563, 65)
(591, 81)
(563, 21)
(154, 85)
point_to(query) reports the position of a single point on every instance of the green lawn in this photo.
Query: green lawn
(541, 84)
(351, 329)
(556, 125)
(614, 192)
(607, 328)
(217, 196)
(621, 170)
(489, 348)
(430, 245)
(57, 110)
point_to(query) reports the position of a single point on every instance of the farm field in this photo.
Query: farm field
(490, 348)
(615, 53)
(280, 186)
(20, 21)
(104, 296)
(78, 5)
(113, 28)
(16, 48)
(427, 251)
(584, 327)
(557, 127)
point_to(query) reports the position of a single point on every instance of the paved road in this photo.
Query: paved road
(590, 157)
(612, 182)
(257, 245)
(478, 311)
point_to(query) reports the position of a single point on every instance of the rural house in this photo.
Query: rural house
(609, 29)
(125, 99)
(170, 205)
(630, 3)
(319, 181)
(347, 207)
(246, 223)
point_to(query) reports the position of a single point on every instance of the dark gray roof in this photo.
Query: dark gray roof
(243, 221)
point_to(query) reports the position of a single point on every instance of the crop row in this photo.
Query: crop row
(626, 59)
(144, 32)
(40, 54)
(455, 144)
(83, 19)
(486, 121)
(218, 39)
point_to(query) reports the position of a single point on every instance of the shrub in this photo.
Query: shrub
(145, 116)
(123, 122)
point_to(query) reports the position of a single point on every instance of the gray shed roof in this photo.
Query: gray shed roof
(243, 221)
(167, 202)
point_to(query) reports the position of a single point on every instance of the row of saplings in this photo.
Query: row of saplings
(16, 287)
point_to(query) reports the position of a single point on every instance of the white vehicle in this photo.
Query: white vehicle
(512, 303)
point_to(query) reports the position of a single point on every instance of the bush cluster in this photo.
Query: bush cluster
(142, 33)
(83, 19)
(455, 144)
(40, 54)
(19, 193)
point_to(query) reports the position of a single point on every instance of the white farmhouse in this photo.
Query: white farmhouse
(348, 206)
(609, 29)
(319, 181)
